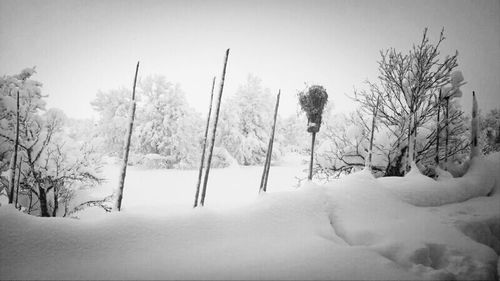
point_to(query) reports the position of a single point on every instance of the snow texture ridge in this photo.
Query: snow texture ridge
(357, 227)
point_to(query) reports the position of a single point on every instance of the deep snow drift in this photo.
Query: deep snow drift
(357, 227)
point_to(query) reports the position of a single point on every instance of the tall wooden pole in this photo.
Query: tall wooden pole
(214, 130)
(123, 172)
(14, 156)
(263, 178)
(447, 133)
(312, 156)
(204, 147)
(267, 164)
(438, 129)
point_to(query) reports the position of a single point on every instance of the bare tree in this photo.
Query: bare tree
(407, 84)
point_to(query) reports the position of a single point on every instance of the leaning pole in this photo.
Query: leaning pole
(123, 172)
(214, 130)
(267, 164)
(197, 195)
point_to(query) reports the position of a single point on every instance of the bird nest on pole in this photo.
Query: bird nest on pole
(312, 100)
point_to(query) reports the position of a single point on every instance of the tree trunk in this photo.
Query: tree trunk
(415, 129)
(269, 154)
(214, 130)
(312, 156)
(438, 129)
(474, 147)
(30, 204)
(370, 151)
(18, 179)
(56, 201)
(204, 147)
(119, 195)
(44, 211)
(410, 141)
(14, 157)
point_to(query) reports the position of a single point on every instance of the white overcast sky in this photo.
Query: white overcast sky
(80, 47)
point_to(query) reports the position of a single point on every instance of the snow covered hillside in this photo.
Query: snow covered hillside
(357, 227)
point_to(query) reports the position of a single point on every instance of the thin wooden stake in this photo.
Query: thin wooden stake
(312, 156)
(266, 162)
(214, 130)
(119, 195)
(267, 165)
(447, 134)
(204, 147)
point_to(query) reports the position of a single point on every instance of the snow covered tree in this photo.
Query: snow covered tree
(287, 133)
(246, 119)
(20, 101)
(64, 166)
(167, 131)
(490, 131)
(166, 125)
(39, 130)
(113, 107)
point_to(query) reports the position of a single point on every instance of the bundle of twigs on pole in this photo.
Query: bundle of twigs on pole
(267, 163)
(312, 101)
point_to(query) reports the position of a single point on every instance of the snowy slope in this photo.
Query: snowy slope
(357, 227)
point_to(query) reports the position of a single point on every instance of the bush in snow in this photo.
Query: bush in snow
(408, 86)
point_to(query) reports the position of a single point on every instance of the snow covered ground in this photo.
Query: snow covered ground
(357, 227)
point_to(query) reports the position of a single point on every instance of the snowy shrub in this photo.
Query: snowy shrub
(221, 158)
(154, 161)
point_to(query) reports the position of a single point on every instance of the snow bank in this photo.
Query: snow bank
(367, 214)
(286, 235)
(357, 227)
(419, 190)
